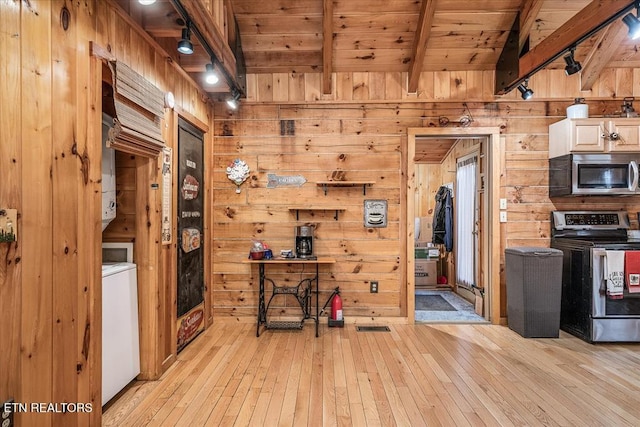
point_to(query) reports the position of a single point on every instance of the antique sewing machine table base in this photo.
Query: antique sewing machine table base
(302, 292)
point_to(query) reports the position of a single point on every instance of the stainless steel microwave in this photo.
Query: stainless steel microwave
(594, 175)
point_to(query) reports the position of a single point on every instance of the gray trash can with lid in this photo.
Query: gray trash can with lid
(534, 290)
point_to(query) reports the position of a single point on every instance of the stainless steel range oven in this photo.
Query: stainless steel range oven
(586, 310)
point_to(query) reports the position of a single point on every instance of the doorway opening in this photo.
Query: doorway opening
(461, 269)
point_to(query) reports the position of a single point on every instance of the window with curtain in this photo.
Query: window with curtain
(466, 190)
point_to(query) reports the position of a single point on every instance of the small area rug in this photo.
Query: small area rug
(464, 311)
(433, 303)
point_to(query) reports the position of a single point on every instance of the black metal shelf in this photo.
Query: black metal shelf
(326, 184)
(318, 208)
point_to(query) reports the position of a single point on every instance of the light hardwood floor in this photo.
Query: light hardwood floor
(414, 375)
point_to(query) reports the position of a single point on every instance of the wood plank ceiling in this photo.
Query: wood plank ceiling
(295, 36)
(328, 36)
(407, 35)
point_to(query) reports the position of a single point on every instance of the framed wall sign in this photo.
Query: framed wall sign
(375, 213)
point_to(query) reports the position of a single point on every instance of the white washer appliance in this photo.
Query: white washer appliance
(120, 336)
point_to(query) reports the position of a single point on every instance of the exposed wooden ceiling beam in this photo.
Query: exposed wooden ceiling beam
(327, 45)
(593, 17)
(602, 53)
(418, 51)
(528, 15)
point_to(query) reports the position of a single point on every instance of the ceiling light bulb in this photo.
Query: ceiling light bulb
(525, 92)
(146, 2)
(634, 26)
(184, 45)
(211, 77)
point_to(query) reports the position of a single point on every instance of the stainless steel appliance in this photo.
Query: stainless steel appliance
(304, 242)
(594, 174)
(586, 311)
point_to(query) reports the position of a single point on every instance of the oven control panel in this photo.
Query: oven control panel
(593, 220)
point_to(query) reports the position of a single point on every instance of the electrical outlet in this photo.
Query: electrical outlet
(373, 287)
(6, 419)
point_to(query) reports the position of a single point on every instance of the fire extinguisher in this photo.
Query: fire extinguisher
(336, 318)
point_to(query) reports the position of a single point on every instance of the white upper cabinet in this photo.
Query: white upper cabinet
(594, 135)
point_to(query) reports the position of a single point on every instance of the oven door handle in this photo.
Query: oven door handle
(633, 175)
(602, 289)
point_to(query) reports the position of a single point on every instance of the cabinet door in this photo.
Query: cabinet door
(628, 135)
(587, 135)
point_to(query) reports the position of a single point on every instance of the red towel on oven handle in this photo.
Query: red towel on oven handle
(632, 271)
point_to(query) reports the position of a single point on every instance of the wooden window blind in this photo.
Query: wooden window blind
(139, 109)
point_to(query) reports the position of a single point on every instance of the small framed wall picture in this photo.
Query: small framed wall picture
(375, 213)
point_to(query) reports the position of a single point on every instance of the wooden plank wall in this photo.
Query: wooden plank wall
(360, 128)
(614, 83)
(50, 282)
(11, 152)
(327, 139)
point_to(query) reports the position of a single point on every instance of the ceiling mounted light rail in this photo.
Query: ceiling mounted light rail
(525, 90)
(515, 66)
(235, 91)
(184, 45)
(633, 23)
(572, 66)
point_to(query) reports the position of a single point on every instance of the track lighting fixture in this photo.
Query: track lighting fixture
(525, 91)
(572, 66)
(232, 101)
(633, 23)
(214, 71)
(184, 45)
(211, 77)
(146, 2)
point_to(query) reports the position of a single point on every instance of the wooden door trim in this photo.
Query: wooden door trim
(491, 263)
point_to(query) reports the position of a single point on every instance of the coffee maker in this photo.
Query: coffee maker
(304, 242)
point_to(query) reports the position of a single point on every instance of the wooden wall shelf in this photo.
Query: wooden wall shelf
(326, 184)
(316, 208)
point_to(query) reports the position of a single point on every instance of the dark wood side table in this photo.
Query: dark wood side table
(302, 292)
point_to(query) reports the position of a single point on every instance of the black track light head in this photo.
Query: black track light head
(634, 25)
(525, 91)
(211, 77)
(572, 66)
(232, 101)
(184, 45)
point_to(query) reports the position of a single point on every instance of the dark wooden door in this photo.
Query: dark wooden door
(190, 292)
